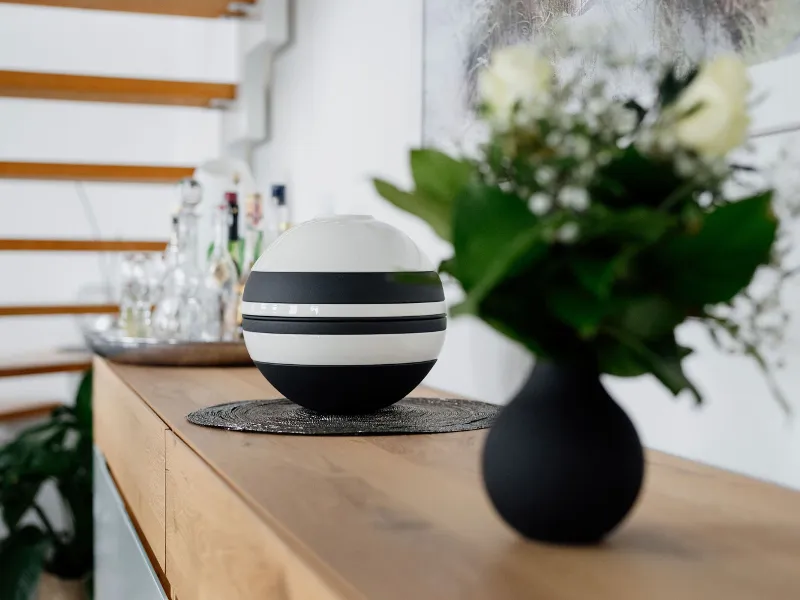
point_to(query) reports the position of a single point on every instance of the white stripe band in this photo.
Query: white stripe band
(380, 349)
(412, 309)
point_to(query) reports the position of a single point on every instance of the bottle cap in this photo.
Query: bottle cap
(279, 193)
(191, 192)
(231, 197)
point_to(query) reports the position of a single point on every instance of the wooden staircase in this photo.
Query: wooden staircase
(93, 88)
(85, 88)
(60, 361)
(87, 172)
(186, 8)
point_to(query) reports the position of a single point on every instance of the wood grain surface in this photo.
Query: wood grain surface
(44, 362)
(90, 88)
(189, 8)
(406, 517)
(132, 439)
(31, 245)
(93, 172)
(31, 310)
(209, 524)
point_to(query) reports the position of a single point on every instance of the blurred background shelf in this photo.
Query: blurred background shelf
(188, 8)
(92, 172)
(58, 309)
(40, 363)
(33, 245)
(88, 88)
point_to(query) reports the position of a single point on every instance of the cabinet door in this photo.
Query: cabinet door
(122, 569)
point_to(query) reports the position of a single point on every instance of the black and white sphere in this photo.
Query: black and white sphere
(344, 315)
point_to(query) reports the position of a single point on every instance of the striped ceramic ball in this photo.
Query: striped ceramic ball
(344, 314)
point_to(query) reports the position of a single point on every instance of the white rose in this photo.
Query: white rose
(516, 74)
(717, 99)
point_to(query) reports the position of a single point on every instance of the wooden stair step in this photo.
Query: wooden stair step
(92, 172)
(29, 410)
(28, 310)
(90, 88)
(36, 245)
(188, 8)
(40, 363)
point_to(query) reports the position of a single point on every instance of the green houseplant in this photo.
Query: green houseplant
(57, 451)
(587, 227)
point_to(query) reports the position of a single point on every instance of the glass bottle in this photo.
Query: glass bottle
(179, 313)
(253, 245)
(235, 248)
(221, 282)
(135, 307)
(281, 220)
(167, 261)
(253, 234)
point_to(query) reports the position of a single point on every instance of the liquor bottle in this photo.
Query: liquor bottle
(253, 234)
(253, 242)
(178, 309)
(234, 243)
(280, 211)
(221, 281)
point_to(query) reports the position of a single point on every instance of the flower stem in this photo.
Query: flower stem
(46, 522)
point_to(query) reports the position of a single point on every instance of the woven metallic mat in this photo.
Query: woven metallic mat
(412, 415)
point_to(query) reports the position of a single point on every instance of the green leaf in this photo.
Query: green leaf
(618, 360)
(717, 262)
(518, 308)
(662, 359)
(636, 224)
(448, 266)
(514, 334)
(633, 179)
(595, 274)
(436, 214)
(439, 176)
(651, 317)
(22, 557)
(577, 308)
(18, 500)
(494, 235)
(83, 401)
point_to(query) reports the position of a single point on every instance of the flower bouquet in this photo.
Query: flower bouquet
(587, 228)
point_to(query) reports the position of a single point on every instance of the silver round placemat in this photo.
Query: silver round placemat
(411, 415)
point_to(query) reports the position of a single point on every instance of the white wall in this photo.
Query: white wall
(93, 43)
(347, 105)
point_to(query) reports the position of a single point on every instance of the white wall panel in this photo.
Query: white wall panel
(88, 42)
(95, 132)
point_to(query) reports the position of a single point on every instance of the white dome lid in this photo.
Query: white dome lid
(343, 244)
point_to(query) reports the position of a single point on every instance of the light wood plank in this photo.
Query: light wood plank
(42, 363)
(31, 245)
(217, 547)
(88, 88)
(189, 8)
(58, 309)
(29, 410)
(89, 172)
(132, 440)
(407, 517)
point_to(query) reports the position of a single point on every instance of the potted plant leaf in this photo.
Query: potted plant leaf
(588, 227)
(37, 559)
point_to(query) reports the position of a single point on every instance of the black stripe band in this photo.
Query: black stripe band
(343, 288)
(370, 326)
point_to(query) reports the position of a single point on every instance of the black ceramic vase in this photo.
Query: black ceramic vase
(563, 462)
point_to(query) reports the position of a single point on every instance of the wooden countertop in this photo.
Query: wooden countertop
(406, 517)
